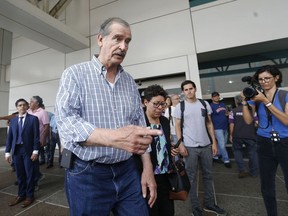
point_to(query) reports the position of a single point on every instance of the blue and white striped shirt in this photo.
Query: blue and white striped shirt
(85, 101)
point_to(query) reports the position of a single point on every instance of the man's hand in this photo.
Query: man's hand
(34, 157)
(8, 159)
(183, 151)
(134, 139)
(148, 182)
(260, 97)
(231, 138)
(214, 149)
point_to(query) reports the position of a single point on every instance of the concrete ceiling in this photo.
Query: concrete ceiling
(243, 51)
(23, 18)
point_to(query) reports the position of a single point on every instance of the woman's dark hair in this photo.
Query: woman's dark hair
(154, 91)
(187, 82)
(273, 70)
(21, 100)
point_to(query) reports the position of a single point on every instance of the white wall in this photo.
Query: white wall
(221, 25)
(4, 94)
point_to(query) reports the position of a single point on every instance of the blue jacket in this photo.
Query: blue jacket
(30, 134)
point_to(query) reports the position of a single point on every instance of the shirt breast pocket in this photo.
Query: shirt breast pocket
(203, 112)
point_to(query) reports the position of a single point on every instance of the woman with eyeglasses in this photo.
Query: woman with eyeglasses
(162, 151)
(272, 134)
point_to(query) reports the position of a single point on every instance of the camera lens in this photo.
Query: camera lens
(249, 92)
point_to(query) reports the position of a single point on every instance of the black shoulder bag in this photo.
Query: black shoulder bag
(178, 178)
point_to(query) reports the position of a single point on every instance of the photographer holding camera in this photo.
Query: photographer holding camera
(271, 104)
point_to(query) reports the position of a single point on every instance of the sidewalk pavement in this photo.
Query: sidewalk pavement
(239, 197)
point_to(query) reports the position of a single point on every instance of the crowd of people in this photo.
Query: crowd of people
(120, 153)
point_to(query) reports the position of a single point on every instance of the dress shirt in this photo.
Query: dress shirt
(53, 125)
(43, 118)
(85, 101)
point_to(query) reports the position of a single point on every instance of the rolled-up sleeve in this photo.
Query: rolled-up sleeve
(72, 128)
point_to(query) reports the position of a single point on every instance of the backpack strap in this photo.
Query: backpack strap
(182, 108)
(205, 106)
(282, 98)
(206, 116)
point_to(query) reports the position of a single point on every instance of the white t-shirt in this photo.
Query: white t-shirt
(194, 129)
(172, 123)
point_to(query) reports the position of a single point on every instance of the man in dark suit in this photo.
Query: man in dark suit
(23, 143)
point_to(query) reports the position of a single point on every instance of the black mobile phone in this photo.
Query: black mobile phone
(66, 160)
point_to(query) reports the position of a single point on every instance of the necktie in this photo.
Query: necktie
(20, 125)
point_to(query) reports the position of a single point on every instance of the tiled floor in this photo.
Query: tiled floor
(240, 197)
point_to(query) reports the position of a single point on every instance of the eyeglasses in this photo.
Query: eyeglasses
(157, 104)
(265, 79)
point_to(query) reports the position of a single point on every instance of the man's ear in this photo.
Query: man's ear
(145, 102)
(100, 40)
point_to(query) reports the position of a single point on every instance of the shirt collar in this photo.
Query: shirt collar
(103, 70)
(24, 115)
(36, 110)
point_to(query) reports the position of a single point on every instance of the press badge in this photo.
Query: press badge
(275, 137)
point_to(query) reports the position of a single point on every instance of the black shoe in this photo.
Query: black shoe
(49, 166)
(196, 212)
(16, 183)
(217, 160)
(215, 209)
(228, 165)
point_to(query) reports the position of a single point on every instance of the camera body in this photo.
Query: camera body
(250, 91)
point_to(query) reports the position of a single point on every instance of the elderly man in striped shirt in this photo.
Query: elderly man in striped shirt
(100, 120)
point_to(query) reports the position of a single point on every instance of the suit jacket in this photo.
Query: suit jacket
(30, 134)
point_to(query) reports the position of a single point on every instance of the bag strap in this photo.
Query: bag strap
(205, 106)
(182, 108)
(282, 98)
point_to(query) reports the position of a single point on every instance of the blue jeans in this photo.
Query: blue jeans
(51, 148)
(251, 146)
(204, 155)
(270, 154)
(96, 189)
(221, 136)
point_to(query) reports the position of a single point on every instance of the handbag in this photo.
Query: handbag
(178, 178)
